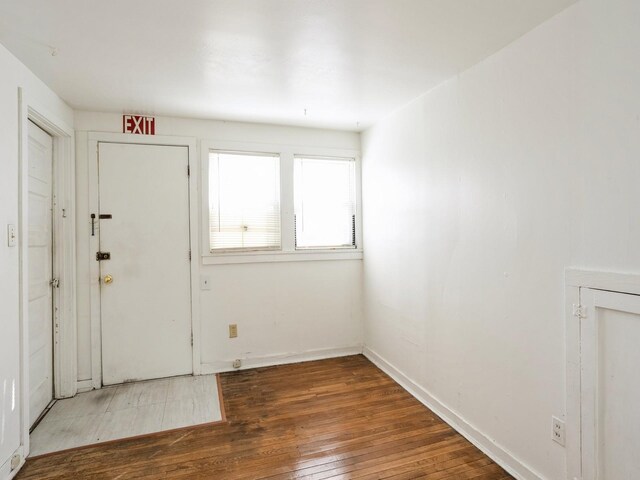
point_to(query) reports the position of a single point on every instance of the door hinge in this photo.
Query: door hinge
(579, 311)
(189, 254)
(188, 170)
(192, 339)
(54, 282)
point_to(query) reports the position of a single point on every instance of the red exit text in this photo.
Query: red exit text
(138, 124)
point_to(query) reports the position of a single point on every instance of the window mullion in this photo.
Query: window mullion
(287, 209)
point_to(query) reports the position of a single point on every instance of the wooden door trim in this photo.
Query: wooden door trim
(94, 139)
(64, 253)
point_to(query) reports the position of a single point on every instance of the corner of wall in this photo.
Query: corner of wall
(488, 446)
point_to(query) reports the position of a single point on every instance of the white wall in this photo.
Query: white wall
(283, 310)
(13, 75)
(478, 194)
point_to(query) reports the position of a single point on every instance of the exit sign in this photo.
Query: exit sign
(138, 124)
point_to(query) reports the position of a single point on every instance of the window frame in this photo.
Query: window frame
(353, 246)
(287, 252)
(208, 225)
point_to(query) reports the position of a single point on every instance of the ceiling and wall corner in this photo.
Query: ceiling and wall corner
(330, 64)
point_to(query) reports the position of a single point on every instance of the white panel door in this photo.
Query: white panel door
(610, 390)
(40, 186)
(145, 290)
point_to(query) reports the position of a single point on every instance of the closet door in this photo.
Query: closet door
(610, 385)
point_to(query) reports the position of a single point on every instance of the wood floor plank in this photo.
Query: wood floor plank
(339, 418)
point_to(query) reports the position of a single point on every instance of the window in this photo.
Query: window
(325, 203)
(295, 203)
(244, 201)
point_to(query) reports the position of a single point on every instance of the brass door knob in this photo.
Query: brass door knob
(107, 279)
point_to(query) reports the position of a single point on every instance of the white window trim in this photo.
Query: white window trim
(352, 164)
(288, 252)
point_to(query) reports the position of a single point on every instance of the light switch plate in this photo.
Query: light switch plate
(12, 238)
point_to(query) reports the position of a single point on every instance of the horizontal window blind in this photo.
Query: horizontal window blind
(325, 202)
(244, 201)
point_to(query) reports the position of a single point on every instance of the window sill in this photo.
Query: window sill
(268, 257)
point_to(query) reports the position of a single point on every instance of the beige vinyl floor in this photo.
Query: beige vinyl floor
(127, 410)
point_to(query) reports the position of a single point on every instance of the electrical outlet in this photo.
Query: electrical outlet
(233, 330)
(237, 363)
(557, 430)
(205, 282)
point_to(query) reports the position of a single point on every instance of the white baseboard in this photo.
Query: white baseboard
(494, 451)
(5, 469)
(255, 362)
(281, 359)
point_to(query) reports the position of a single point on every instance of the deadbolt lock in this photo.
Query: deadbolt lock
(103, 256)
(107, 279)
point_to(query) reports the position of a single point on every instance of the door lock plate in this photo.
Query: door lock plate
(103, 256)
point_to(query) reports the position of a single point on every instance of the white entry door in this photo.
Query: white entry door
(610, 385)
(145, 290)
(40, 186)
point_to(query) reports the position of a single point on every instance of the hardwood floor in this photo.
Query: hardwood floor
(329, 419)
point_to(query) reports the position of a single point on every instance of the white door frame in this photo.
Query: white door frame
(575, 280)
(64, 252)
(94, 138)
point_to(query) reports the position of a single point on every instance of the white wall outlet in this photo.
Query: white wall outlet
(237, 363)
(205, 282)
(12, 236)
(557, 430)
